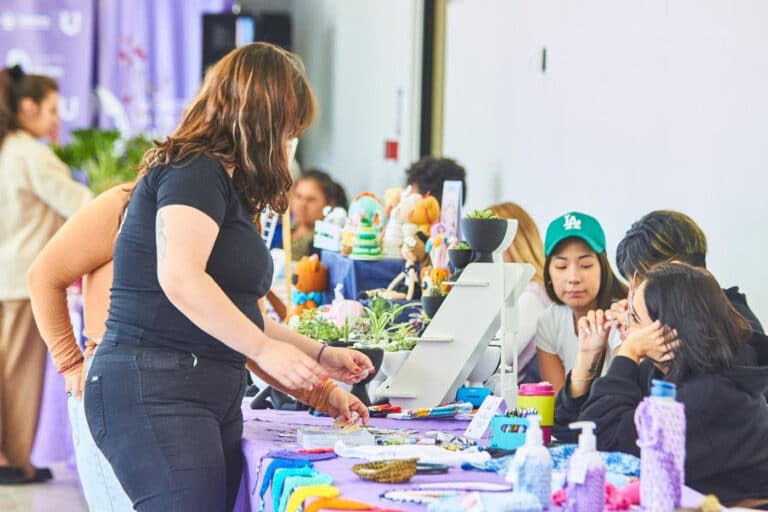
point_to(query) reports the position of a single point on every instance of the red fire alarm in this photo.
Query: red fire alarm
(390, 149)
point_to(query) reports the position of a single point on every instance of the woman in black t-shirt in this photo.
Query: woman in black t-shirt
(164, 391)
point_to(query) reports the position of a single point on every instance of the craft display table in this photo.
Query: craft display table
(357, 275)
(262, 434)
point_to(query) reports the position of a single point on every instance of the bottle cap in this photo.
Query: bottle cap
(663, 389)
(534, 436)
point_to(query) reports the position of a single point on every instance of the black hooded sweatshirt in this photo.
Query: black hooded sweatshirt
(726, 419)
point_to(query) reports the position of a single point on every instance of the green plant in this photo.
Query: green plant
(482, 214)
(462, 246)
(99, 154)
(437, 291)
(402, 338)
(378, 325)
(315, 326)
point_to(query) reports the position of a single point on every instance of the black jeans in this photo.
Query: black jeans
(170, 424)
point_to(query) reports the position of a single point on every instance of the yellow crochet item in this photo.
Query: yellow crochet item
(310, 491)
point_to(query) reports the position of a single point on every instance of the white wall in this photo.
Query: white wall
(644, 105)
(358, 54)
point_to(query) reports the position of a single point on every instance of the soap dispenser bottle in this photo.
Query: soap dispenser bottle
(585, 477)
(533, 464)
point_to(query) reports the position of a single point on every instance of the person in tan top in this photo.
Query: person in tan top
(36, 194)
(84, 247)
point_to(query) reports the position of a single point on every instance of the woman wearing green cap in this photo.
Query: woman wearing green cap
(579, 280)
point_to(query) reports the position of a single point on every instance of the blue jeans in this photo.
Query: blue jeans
(100, 485)
(170, 425)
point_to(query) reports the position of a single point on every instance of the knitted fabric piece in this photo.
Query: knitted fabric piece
(270, 473)
(279, 481)
(661, 437)
(290, 455)
(293, 482)
(589, 496)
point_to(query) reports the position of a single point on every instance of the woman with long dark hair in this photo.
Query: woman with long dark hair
(163, 395)
(684, 329)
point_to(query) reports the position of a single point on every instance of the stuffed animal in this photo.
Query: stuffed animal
(406, 285)
(364, 205)
(391, 199)
(310, 279)
(398, 228)
(425, 213)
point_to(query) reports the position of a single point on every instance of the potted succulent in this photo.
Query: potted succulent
(484, 232)
(459, 255)
(433, 299)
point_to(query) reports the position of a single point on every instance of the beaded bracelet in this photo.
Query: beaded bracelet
(71, 366)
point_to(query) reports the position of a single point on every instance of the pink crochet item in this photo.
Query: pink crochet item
(615, 499)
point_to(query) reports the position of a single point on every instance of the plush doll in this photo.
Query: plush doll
(364, 205)
(342, 311)
(391, 200)
(398, 228)
(425, 213)
(406, 285)
(310, 278)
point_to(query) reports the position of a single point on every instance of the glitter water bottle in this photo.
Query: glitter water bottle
(660, 422)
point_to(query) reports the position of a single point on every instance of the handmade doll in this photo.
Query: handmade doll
(310, 278)
(440, 240)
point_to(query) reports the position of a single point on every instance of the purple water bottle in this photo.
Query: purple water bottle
(660, 422)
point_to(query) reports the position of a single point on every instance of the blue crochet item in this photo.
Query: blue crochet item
(294, 482)
(615, 462)
(273, 467)
(281, 475)
(299, 298)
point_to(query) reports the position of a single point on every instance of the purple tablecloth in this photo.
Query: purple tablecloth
(53, 442)
(261, 436)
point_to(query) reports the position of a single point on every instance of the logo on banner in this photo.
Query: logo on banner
(10, 21)
(69, 108)
(71, 22)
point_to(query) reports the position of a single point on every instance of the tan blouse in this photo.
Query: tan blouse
(36, 194)
(83, 247)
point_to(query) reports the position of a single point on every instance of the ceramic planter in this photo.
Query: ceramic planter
(484, 236)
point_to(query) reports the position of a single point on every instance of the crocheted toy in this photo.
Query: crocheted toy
(425, 213)
(398, 228)
(364, 206)
(310, 278)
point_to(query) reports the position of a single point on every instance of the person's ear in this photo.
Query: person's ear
(28, 107)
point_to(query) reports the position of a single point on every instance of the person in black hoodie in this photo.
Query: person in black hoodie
(684, 329)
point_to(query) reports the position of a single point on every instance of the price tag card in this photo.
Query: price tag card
(482, 419)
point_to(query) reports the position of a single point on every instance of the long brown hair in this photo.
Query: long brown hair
(251, 103)
(527, 246)
(15, 85)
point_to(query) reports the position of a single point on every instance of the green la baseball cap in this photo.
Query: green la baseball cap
(575, 224)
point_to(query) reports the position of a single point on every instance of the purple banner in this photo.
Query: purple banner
(54, 38)
(149, 61)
